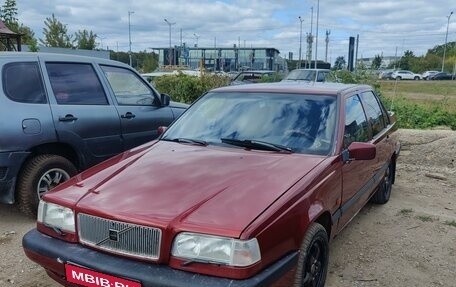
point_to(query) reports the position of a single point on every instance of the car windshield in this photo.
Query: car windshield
(268, 121)
(301, 75)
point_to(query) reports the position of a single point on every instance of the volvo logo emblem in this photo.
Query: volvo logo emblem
(113, 235)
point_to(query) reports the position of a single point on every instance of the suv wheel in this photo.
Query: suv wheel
(39, 175)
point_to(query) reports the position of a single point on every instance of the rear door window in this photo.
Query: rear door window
(374, 112)
(75, 84)
(22, 82)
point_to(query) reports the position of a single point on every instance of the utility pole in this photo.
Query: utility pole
(446, 39)
(129, 36)
(300, 41)
(356, 54)
(170, 53)
(310, 40)
(328, 32)
(316, 34)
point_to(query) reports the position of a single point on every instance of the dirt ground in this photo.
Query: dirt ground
(410, 241)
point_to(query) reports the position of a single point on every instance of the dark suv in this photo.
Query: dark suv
(60, 114)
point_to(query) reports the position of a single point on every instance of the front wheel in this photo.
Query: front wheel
(39, 175)
(313, 258)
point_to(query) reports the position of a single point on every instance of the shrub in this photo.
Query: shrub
(186, 88)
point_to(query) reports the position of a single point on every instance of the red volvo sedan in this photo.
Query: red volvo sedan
(246, 188)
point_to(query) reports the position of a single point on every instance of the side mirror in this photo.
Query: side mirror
(359, 151)
(165, 99)
(161, 130)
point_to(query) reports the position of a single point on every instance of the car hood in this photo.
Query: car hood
(213, 189)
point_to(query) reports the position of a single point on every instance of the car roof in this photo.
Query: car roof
(324, 88)
(59, 57)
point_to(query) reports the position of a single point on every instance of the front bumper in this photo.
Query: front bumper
(53, 253)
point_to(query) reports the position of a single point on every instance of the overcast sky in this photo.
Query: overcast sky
(384, 27)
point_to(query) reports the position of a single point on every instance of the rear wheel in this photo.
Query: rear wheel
(383, 193)
(39, 175)
(398, 78)
(416, 78)
(313, 258)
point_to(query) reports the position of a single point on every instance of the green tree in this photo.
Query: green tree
(85, 40)
(339, 64)
(406, 62)
(9, 13)
(377, 62)
(55, 34)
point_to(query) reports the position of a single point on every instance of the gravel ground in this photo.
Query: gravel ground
(410, 241)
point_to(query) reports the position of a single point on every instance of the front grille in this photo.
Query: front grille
(119, 237)
(3, 171)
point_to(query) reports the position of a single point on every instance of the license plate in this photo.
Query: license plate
(90, 278)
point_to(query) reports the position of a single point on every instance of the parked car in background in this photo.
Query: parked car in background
(246, 189)
(250, 77)
(442, 76)
(308, 75)
(61, 114)
(428, 74)
(385, 75)
(405, 75)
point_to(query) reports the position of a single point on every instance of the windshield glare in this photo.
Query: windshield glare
(304, 123)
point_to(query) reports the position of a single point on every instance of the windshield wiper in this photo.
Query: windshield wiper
(256, 144)
(188, 141)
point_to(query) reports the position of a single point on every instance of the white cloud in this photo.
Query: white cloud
(383, 26)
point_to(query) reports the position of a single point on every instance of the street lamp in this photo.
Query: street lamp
(446, 39)
(196, 37)
(300, 41)
(101, 40)
(129, 35)
(170, 56)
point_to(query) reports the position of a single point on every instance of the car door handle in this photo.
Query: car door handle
(68, 118)
(128, 116)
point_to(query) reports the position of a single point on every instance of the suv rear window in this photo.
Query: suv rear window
(22, 82)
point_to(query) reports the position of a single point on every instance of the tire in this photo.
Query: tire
(313, 258)
(416, 78)
(398, 78)
(383, 193)
(40, 174)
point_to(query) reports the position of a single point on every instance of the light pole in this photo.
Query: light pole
(316, 33)
(446, 39)
(196, 37)
(300, 41)
(101, 41)
(170, 56)
(129, 35)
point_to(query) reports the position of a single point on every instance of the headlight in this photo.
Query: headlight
(57, 216)
(215, 249)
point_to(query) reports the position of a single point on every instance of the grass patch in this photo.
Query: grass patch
(445, 88)
(405, 212)
(425, 218)
(450, 223)
(421, 104)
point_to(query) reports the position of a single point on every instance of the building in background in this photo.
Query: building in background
(222, 59)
